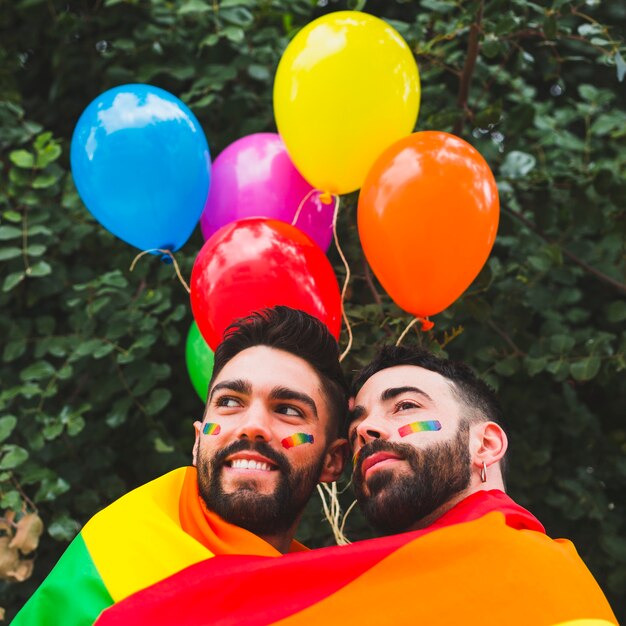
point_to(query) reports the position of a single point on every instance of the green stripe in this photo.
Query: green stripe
(73, 594)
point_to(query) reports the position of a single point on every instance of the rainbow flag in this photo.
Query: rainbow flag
(488, 563)
(144, 537)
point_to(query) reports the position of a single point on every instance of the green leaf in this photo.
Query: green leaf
(586, 369)
(12, 456)
(35, 249)
(22, 159)
(14, 349)
(259, 72)
(41, 268)
(587, 30)
(162, 447)
(616, 311)
(194, 6)
(47, 155)
(63, 528)
(234, 34)
(12, 216)
(7, 424)
(9, 253)
(10, 232)
(492, 46)
(517, 164)
(43, 181)
(535, 365)
(37, 371)
(12, 280)
(75, 425)
(560, 344)
(620, 66)
(158, 400)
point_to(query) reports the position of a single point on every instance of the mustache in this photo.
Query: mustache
(403, 450)
(261, 447)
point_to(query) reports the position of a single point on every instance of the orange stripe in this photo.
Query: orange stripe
(480, 573)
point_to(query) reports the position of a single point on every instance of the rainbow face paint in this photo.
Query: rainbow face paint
(419, 427)
(211, 429)
(296, 440)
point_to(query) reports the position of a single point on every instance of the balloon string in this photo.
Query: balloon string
(302, 203)
(426, 325)
(345, 283)
(407, 329)
(171, 256)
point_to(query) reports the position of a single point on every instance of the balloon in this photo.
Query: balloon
(256, 263)
(141, 165)
(346, 88)
(427, 217)
(254, 177)
(199, 358)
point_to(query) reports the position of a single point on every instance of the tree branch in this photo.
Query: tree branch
(570, 255)
(468, 68)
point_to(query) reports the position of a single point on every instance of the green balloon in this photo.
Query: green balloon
(199, 358)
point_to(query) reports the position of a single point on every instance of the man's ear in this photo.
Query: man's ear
(334, 461)
(197, 426)
(489, 443)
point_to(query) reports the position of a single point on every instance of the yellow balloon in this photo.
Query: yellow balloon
(346, 88)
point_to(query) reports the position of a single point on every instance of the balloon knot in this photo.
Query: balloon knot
(326, 197)
(426, 324)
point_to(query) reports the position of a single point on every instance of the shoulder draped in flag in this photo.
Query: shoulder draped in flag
(487, 562)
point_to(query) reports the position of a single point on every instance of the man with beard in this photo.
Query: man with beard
(426, 435)
(429, 452)
(269, 434)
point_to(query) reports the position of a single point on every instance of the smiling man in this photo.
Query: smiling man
(270, 433)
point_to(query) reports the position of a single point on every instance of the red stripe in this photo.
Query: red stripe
(233, 589)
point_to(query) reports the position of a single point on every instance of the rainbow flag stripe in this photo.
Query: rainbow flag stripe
(478, 532)
(419, 427)
(296, 440)
(211, 429)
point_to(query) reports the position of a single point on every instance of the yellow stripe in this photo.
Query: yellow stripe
(137, 541)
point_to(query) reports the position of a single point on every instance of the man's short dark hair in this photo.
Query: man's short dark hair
(300, 334)
(470, 390)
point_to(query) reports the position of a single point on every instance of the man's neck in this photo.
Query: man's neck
(281, 542)
(431, 518)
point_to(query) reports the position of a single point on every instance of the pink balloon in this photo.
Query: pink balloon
(254, 177)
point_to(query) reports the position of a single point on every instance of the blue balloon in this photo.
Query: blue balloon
(142, 166)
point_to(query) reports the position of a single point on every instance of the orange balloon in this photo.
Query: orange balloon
(428, 216)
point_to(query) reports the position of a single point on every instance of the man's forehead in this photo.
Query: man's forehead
(376, 387)
(267, 367)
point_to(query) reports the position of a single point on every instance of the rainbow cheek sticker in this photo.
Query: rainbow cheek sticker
(419, 427)
(296, 440)
(211, 429)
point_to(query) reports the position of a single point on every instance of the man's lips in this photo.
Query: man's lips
(249, 461)
(378, 461)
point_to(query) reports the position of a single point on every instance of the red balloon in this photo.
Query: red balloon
(255, 263)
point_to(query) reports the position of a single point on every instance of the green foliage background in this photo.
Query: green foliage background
(95, 397)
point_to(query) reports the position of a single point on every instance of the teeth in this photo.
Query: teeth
(249, 464)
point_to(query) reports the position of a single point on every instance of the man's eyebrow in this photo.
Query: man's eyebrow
(285, 393)
(238, 386)
(394, 392)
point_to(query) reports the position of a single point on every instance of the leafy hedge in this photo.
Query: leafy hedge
(95, 397)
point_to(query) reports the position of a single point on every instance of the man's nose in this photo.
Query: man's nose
(255, 425)
(370, 429)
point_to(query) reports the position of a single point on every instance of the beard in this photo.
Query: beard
(396, 502)
(262, 514)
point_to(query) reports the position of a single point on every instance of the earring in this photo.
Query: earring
(483, 473)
